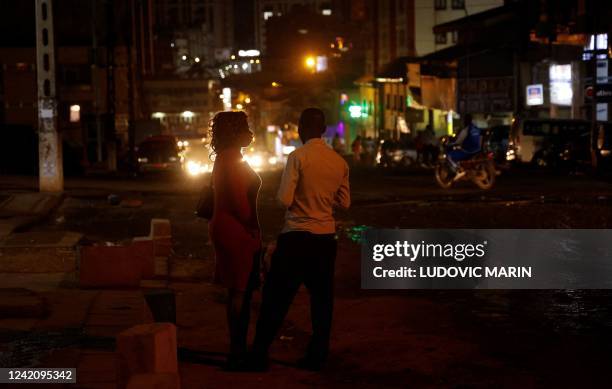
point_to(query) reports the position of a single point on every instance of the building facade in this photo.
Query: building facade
(429, 13)
(194, 31)
(266, 9)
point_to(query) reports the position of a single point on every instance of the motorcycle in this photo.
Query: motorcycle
(480, 169)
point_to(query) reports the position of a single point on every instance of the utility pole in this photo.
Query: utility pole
(111, 109)
(51, 174)
(95, 76)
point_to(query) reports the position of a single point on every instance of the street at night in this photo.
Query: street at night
(305, 193)
(555, 338)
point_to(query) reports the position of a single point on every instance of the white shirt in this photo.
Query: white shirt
(315, 180)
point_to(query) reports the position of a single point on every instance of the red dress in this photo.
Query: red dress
(234, 227)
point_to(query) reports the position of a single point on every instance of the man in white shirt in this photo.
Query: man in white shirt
(315, 180)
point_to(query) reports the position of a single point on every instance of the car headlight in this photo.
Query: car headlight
(193, 168)
(196, 167)
(172, 159)
(143, 160)
(255, 160)
(288, 149)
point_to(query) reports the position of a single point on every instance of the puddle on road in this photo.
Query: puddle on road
(29, 349)
(565, 312)
(354, 233)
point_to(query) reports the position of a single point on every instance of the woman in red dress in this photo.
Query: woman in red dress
(234, 227)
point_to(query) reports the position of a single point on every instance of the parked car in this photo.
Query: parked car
(158, 154)
(549, 142)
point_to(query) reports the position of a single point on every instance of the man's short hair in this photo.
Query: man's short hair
(312, 119)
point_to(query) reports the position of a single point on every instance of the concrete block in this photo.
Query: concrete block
(147, 348)
(162, 267)
(144, 250)
(109, 266)
(114, 311)
(163, 247)
(160, 228)
(154, 381)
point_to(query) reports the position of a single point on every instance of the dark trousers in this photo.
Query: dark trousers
(300, 257)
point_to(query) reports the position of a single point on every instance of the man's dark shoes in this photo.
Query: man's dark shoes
(236, 363)
(311, 364)
(257, 362)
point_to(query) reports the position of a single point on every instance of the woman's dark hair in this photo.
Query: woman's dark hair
(225, 128)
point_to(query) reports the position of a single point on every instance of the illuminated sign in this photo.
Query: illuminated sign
(355, 111)
(248, 53)
(561, 92)
(321, 63)
(535, 94)
(602, 112)
(602, 71)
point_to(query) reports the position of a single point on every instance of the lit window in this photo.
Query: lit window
(440, 4)
(22, 66)
(326, 9)
(75, 113)
(602, 41)
(458, 4)
(267, 15)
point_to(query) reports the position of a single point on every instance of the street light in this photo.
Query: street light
(310, 63)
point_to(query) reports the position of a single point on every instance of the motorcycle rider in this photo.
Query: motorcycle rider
(467, 143)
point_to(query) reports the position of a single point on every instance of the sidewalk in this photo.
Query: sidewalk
(19, 210)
